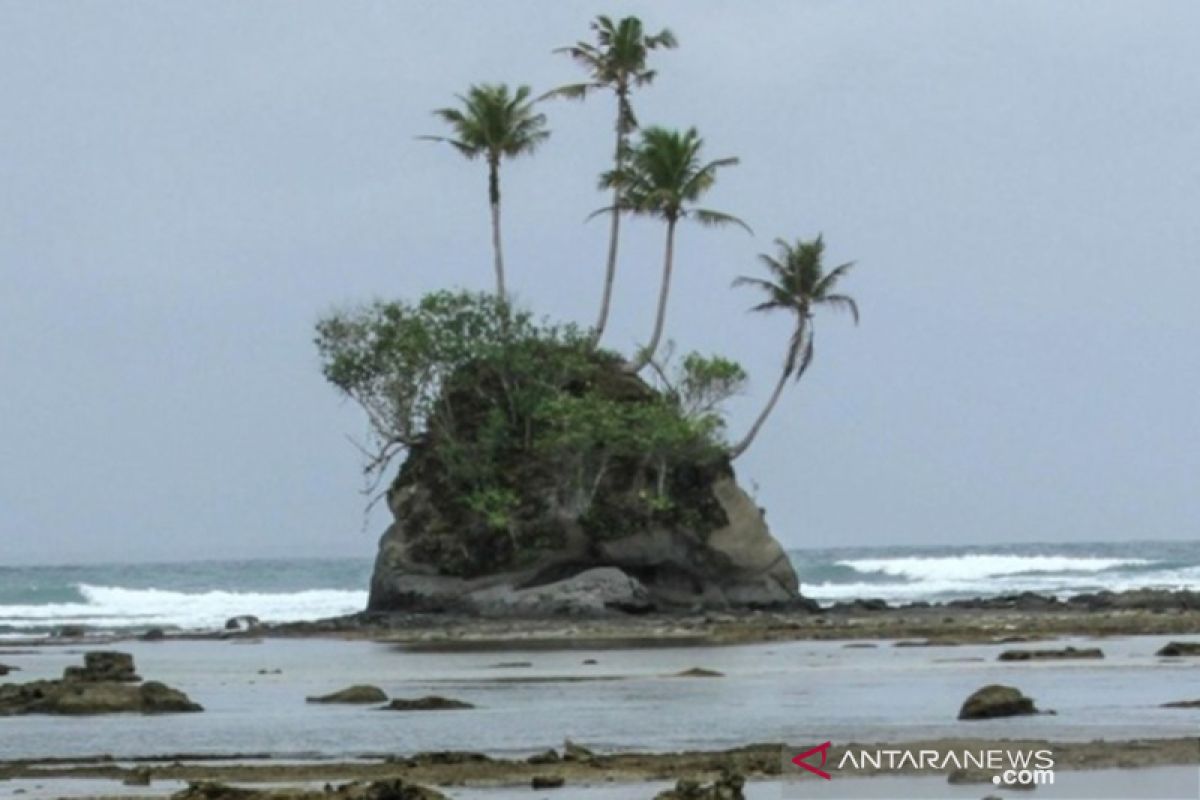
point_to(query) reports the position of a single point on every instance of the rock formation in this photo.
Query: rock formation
(615, 550)
(105, 684)
(996, 701)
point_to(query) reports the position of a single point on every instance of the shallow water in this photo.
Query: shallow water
(797, 692)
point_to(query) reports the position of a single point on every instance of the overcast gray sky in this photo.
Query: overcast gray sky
(185, 188)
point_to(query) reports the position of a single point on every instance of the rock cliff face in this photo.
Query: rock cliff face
(621, 508)
(719, 554)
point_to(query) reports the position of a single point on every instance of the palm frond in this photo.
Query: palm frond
(842, 302)
(713, 219)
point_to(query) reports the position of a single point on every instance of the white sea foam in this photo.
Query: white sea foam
(941, 578)
(972, 567)
(116, 607)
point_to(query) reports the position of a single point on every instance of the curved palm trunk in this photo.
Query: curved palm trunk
(497, 251)
(663, 293)
(789, 364)
(610, 271)
(610, 267)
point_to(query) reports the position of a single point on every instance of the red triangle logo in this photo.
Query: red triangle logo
(800, 761)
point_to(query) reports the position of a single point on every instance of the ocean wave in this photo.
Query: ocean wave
(984, 565)
(1061, 584)
(118, 607)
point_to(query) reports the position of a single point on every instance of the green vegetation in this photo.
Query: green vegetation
(511, 419)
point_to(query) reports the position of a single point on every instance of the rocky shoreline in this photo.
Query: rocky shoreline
(1009, 618)
(574, 764)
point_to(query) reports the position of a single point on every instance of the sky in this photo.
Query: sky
(186, 188)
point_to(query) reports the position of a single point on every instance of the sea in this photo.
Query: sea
(202, 595)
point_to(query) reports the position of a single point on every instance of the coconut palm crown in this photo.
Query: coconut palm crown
(664, 177)
(799, 284)
(494, 123)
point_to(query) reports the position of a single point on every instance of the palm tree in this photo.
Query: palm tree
(617, 62)
(798, 284)
(494, 124)
(663, 178)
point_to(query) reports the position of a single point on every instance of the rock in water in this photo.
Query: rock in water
(1067, 653)
(728, 787)
(1180, 649)
(431, 703)
(353, 694)
(106, 684)
(996, 701)
(100, 665)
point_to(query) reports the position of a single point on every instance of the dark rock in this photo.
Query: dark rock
(511, 665)
(5, 669)
(545, 757)
(353, 694)
(590, 661)
(244, 622)
(430, 703)
(101, 665)
(378, 790)
(153, 635)
(727, 787)
(105, 685)
(1182, 704)
(71, 632)
(860, 606)
(996, 701)
(1180, 649)
(139, 776)
(1066, 653)
(699, 672)
(547, 782)
(576, 752)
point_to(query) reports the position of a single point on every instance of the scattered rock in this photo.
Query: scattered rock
(576, 752)
(5, 669)
(862, 605)
(243, 622)
(511, 665)
(139, 776)
(106, 684)
(547, 782)
(379, 790)
(280, 672)
(1182, 704)
(360, 693)
(699, 672)
(430, 703)
(71, 632)
(728, 787)
(102, 665)
(996, 701)
(1051, 655)
(590, 592)
(545, 757)
(1180, 649)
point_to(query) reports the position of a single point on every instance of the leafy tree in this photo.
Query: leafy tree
(494, 124)
(798, 284)
(664, 178)
(616, 63)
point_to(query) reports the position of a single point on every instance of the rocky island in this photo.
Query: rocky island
(542, 476)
